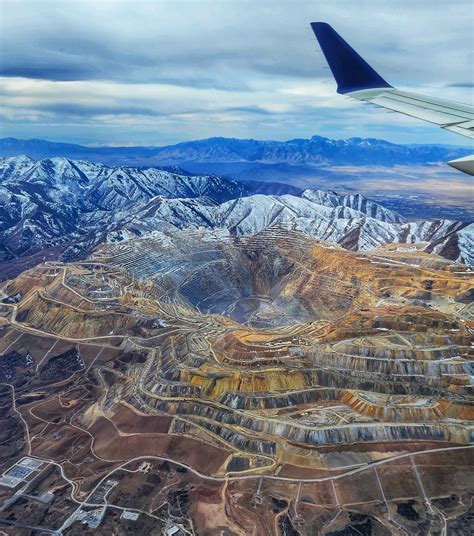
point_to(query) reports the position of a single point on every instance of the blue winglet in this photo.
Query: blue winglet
(352, 73)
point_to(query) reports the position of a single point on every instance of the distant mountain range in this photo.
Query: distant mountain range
(402, 177)
(71, 206)
(315, 151)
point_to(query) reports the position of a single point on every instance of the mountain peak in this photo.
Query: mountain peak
(319, 138)
(19, 159)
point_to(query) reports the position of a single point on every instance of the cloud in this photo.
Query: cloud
(163, 63)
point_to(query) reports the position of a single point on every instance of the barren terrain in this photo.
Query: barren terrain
(270, 384)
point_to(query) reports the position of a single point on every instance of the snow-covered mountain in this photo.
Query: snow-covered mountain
(356, 202)
(78, 204)
(351, 228)
(101, 186)
(44, 202)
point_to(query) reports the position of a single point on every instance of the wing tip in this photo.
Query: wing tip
(464, 164)
(351, 71)
(320, 24)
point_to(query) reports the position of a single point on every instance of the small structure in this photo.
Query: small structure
(30, 463)
(129, 515)
(46, 497)
(93, 518)
(145, 467)
(10, 481)
(17, 471)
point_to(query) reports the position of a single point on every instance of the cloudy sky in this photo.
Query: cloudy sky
(121, 72)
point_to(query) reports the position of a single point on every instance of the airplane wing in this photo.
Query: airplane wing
(358, 80)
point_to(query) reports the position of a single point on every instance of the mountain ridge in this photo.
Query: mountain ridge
(398, 176)
(76, 205)
(315, 150)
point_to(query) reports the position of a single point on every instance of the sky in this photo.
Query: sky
(143, 72)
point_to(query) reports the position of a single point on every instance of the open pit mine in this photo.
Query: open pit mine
(195, 382)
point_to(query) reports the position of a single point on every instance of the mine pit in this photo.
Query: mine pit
(304, 387)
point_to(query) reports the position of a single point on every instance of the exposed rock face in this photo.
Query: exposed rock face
(292, 323)
(275, 364)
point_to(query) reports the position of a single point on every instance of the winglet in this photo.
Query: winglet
(352, 73)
